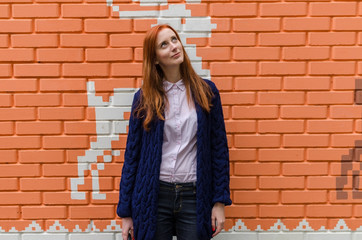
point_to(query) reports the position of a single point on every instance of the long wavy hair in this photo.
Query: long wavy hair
(153, 99)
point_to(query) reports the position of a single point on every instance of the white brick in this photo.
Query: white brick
(44, 236)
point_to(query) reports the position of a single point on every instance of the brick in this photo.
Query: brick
(83, 40)
(281, 211)
(283, 9)
(41, 156)
(42, 184)
(214, 54)
(6, 128)
(232, 39)
(234, 98)
(331, 38)
(4, 11)
(17, 85)
(17, 114)
(325, 182)
(80, 128)
(247, 141)
(254, 112)
(307, 83)
(345, 140)
(223, 84)
(6, 100)
(85, 69)
(75, 99)
(242, 183)
(36, 70)
(282, 68)
(8, 156)
(107, 25)
(256, 53)
(320, 154)
(16, 55)
(4, 40)
(281, 98)
(233, 9)
(253, 197)
(330, 126)
(328, 211)
(306, 53)
(306, 24)
(345, 112)
(304, 169)
(93, 212)
(332, 68)
(35, 10)
(281, 155)
(333, 9)
(303, 197)
(67, 84)
(34, 128)
(60, 170)
(357, 211)
(19, 142)
(344, 83)
(238, 126)
(26, 40)
(58, 25)
(358, 126)
(222, 24)
(282, 39)
(257, 83)
(84, 10)
(330, 98)
(60, 55)
(281, 126)
(281, 182)
(62, 198)
(96, 55)
(256, 25)
(44, 212)
(65, 142)
(16, 198)
(127, 40)
(347, 24)
(241, 211)
(242, 154)
(143, 25)
(346, 53)
(5, 70)
(126, 69)
(16, 26)
(257, 169)
(8, 184)
(232, 68)
(28, 100)
(359, 68)
(64, 113)
(16, 170)
(11, 212)
(296, 140)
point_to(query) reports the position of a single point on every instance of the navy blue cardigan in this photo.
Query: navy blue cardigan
(138, 195)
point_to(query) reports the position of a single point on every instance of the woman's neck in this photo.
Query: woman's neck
(172, 75)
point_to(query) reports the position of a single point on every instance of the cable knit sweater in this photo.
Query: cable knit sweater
(138, 195)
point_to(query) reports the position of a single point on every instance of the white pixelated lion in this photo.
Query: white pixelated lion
(111, 113)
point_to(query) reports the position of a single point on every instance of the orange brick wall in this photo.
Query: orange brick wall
(288, 72)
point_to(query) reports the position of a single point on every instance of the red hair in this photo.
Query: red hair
(153, 96)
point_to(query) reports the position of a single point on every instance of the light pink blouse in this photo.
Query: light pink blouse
(179, 136)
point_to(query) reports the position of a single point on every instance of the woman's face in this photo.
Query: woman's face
(169, 51)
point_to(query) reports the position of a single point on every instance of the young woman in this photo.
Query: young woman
(175, 177)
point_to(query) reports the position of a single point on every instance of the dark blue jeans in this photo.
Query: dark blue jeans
(176, 211)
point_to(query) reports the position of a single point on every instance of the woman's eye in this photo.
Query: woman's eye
(163, 44)
(174, 39)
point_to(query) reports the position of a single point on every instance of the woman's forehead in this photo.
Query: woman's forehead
(164, 34)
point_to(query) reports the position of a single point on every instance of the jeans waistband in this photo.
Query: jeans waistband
(189, 185)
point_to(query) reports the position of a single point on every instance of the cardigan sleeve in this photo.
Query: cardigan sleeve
(131, 159)
(219, 151)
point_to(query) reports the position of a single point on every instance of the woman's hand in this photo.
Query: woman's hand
(218, 218)
(127, 227)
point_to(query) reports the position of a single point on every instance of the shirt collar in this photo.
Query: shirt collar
(168, 85)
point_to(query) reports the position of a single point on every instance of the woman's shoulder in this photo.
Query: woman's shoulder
(211, 85)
